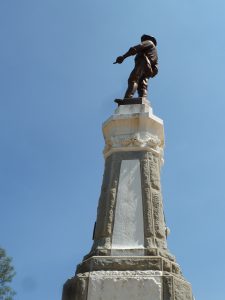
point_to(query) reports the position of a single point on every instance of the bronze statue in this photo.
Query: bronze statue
(146, 66)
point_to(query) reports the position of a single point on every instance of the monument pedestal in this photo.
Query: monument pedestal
(127, 285)
(129, 258)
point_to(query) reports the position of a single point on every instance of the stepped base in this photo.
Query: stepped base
(128, 263)
(123, 285)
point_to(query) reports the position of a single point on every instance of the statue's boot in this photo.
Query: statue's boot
(143, 93)
(132, 88)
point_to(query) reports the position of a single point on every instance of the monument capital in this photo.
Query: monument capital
(133, 127)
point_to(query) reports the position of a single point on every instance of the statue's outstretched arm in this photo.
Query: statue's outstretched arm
(132, 51)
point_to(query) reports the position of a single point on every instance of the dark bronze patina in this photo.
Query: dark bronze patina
(146, 66)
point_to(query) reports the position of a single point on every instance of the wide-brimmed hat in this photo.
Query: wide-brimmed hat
(149, 37)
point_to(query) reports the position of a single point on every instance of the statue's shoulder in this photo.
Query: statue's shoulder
(148, 43)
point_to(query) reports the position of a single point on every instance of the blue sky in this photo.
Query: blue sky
(57, 86)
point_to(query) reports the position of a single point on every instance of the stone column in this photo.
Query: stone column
(129, 258)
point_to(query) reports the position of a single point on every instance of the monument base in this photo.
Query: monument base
(128, 263)
(127, 285)
(129, 259)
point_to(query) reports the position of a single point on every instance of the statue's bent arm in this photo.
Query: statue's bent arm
(132, 51)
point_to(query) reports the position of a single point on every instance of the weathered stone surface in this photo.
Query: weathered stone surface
(106, 207)
(182, 290)
(155, 172)
(125, 286)
(133, 128)
(168, 288)
(76, 288)
(107, 202)
(153, 217)
(128, 231)
(151, 250)
(128, 263)
(147, 202)
(102, 244)
(160, 227)
(167, 265)
(128, 252)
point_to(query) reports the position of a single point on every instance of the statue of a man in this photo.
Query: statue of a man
(146, 66)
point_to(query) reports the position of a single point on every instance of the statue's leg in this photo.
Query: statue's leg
(143, 86)
(133, 81)
(132, 85)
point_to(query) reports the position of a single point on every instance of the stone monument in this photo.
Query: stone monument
(129, 258)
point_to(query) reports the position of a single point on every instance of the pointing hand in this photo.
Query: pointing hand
(119, 60)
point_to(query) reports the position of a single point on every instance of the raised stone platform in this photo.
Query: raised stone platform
(127, 285)
(128, 263)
